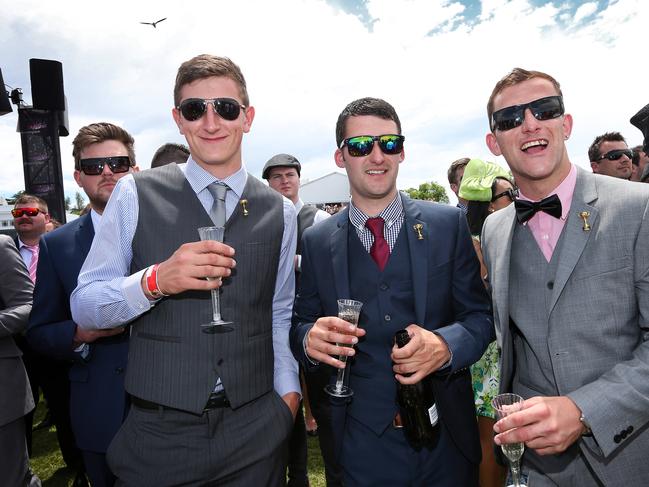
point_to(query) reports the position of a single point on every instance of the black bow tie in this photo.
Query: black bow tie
(527, 209)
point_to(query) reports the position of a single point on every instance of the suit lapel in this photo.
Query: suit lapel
(575, 238)
(85, 234)
(340, 255)
(418, 253)
(499, 281)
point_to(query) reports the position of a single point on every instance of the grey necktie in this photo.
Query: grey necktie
(217, 213)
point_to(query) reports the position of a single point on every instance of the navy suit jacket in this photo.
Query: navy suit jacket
(97, 398)
(449, 298)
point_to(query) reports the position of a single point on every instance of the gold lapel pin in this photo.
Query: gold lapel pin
(244, 206)
(418, 228)
(584, 216)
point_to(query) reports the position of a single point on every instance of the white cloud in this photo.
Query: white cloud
(305, 60)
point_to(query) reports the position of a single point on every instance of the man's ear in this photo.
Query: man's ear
(492, 143)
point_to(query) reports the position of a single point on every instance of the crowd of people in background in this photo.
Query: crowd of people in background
(536, 284)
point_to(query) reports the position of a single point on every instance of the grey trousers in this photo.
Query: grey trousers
(14, 462)
(224, 447)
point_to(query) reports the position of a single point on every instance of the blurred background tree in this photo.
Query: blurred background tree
(431, 191)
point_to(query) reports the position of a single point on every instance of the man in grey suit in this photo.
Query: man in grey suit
(569, 269)
(15, 394)
(207, 408)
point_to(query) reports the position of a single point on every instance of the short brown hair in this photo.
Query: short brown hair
(454, 168)
(26, 198)
(518, 75)
(101, 132)
(365, 106)
(207, 66)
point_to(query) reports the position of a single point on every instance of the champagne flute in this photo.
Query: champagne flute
(214, 233)
(348, 310)
(505, 404)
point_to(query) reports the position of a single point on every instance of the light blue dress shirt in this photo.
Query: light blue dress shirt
(107, 295)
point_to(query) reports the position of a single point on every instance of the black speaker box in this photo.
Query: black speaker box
(5, 104)
(47, 84)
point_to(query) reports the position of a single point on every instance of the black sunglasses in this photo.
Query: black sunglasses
(94, 166)
(511, 117)
(194, 108)
(615, 154)
(510, 193)
(362, 145)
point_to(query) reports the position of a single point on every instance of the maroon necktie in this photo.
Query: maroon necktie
(380, 250)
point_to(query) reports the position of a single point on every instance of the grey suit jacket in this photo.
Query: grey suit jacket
(598, 326)
(15, 304)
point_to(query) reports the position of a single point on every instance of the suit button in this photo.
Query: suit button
(383, 287)
(219, 362)
(550, 284)
(629, 430)
(617, 438)
(387, 317)
(624, 434)
(119, 370)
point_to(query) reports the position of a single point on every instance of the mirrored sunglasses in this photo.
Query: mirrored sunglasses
(511, 117)
(194, 108)
(94, 166)
(362, 145)
(18, 212)
(615, 154)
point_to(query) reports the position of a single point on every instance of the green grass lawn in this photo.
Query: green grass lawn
(48, 463)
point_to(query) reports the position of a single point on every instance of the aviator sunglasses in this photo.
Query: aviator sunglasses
(194, 108)
(18, 212)
(615, 154)
(511, 117)
(362, 145)
(94, 166)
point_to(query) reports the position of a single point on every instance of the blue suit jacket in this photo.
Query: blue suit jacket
(97, 398)
(449, 297)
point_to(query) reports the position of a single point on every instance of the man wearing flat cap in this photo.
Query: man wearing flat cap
(282, 172)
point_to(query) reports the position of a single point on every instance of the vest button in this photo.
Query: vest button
(387, 317)
(550, 284)
(383, 287)
(119, 370)
(629, 430)
(617, 438)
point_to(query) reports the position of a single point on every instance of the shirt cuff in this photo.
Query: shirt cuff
(311, 361)
(134, 294)
(448, 364)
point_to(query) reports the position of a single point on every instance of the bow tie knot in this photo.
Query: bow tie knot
(527, 209)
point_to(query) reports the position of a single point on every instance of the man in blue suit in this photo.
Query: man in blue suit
(416, 271)
(103, 153)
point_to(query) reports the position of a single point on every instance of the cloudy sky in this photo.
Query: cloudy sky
(436, 61)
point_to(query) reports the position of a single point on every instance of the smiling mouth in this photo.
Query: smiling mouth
(373, 172)
(534, 146)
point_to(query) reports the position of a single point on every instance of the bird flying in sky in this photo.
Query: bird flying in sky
(153, 23)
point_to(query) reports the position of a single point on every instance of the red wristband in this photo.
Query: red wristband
(151, 279)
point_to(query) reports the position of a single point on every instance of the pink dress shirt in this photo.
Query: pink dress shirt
(545, 228)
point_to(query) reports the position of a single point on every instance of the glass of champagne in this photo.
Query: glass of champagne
(214, 233)
(506, 404)
(348, 310)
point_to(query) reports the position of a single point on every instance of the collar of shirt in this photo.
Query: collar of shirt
(393, 215)
(545, 228)
(199, 179)
(299, 205)
(96, 219)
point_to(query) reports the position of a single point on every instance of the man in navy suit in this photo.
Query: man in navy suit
(103, 153)
(416, 271)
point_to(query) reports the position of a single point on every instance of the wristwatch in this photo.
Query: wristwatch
(587, 430)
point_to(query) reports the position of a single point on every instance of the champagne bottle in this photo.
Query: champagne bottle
(417, 407)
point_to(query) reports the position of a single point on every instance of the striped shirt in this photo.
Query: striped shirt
(393, 215)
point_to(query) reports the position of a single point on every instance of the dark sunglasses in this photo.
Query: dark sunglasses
(18, 212)
(511, 117)
(510, 193)
(615, 154)
(94, 166)
(194, 108)
(362, 145)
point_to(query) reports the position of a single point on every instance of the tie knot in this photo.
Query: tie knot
(376, 226)
(218, 190)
